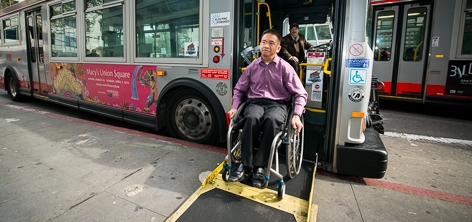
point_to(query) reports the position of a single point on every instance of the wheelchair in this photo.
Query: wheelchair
(286, 138)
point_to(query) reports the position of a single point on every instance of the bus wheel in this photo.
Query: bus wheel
(192, 118)
(13, 88)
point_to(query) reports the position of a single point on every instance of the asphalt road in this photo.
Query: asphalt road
(434, 120)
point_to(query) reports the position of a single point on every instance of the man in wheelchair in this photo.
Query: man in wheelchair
(269, 82)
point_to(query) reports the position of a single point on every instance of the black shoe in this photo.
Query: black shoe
(258, 179)
(237, 174)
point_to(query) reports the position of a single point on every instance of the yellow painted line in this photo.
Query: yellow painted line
(315, 110)
(297, 207)
(312, 208)
(210, 178)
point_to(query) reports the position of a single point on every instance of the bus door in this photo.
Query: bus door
(35, 52)
(400, 54)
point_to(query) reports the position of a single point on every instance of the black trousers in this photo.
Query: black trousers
(263, 115)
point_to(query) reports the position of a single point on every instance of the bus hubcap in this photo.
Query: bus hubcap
(193, 119)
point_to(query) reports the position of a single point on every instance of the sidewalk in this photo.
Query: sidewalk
(56, 168)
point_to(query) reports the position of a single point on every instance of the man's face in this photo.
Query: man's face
(294, 31)
(270, 45)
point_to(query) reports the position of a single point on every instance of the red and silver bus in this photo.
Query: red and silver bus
(421, 50)
(172, 64)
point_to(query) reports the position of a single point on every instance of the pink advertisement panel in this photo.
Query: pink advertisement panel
(127, 87)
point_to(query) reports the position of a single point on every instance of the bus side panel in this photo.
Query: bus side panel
(440, 49)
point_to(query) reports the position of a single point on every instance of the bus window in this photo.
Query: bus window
(10, 27)
(466, 48)
(310, 33)
(167, 29)
(384, 36)
(31, 38)
(323, 32)
(104, 30)
(414, 34)
(316, 34)
(63, 30)
(1, 33)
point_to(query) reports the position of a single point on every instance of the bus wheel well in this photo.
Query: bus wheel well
(167, 108)
(7, 79)
(11, 86)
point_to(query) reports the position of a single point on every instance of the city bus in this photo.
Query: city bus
(421, 50)
(172, 65)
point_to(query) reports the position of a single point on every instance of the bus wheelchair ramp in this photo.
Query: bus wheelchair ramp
(217, 200)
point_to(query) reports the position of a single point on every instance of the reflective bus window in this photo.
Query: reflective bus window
(316, 34)
(246, 35)
(104, 31)
(10, 30)
(384, 35)
(94, 3)
(31, 38)
(63, 30)
(1, 33)
(466, 48)
(167, 29)
(324, 34)
(414, 34)
(309, 33)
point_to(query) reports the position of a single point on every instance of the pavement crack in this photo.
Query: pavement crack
(83, 201)
(357, 202)
(131, 173)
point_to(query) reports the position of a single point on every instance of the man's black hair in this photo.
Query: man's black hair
(273, 32)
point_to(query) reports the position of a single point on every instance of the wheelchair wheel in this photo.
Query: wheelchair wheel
(295, 153)
(236, 148)
(281, 191)
(225, 175)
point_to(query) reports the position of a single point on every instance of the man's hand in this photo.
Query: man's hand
(231, 112)
(295, 59)
(297, 124)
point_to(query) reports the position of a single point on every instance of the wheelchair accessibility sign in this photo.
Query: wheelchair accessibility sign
(358, 77)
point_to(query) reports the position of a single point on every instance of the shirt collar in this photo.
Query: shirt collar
(276, 60)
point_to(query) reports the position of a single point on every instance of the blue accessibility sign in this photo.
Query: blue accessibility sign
(357, 63)
(358, 77)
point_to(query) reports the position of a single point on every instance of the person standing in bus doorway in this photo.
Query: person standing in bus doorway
(293, 47)
(270, 82)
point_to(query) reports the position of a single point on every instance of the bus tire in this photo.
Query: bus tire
(191, 117)
(13, 88)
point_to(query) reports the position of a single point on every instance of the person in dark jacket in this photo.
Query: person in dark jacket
(293, 47)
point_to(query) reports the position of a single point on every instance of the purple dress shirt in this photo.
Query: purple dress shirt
(276, 80)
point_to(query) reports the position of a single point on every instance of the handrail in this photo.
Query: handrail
(325, 66)
(259, 3)
(416, 50)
